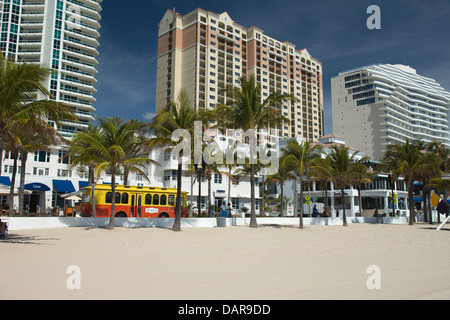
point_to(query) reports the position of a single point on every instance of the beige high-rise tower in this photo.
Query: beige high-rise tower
(203, 52)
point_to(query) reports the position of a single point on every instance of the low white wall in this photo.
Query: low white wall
(61, 222)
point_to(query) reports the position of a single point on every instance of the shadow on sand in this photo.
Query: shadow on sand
(13, 238)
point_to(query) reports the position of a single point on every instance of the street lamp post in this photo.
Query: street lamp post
(199, 171)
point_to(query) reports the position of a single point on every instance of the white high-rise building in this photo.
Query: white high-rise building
(61, 35)
(378, 105)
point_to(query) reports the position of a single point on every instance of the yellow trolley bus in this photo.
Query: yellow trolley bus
(132, 202)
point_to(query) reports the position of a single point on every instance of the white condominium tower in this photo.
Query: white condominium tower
(61, 35)
(378, 105)
(203, 52)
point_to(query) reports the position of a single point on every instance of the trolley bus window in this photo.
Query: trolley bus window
(171, 200)
(125, 198)
(163, 199)
(108, 197)
(155, 200)
(148, 199)
(139, 201)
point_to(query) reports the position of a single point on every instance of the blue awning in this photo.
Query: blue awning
(418, 199)
(36, 187)
(5, 180)
(63, 186)
(83, 184)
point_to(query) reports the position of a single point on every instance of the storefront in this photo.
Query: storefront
(35, 201)
(61, 187)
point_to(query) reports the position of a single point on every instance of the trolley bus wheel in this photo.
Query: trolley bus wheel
(121, 214)
(163, 215)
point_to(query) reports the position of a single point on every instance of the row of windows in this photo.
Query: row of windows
(44, 156)
(364, 95)
(365, 101)
(353, 84)
(155, 199)
(353, 77)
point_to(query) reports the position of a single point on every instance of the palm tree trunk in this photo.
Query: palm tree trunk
(94, 210)
(177, 222)
(301, 203)
(24, 156)
(126, 174)
(13, 182)
(344, 218)
(1, 156)
(229, 191)
(209, 198)
(282, 199)
(429, 205)
(359, 199)
(113, 201)
(253, 222)
(295, 197)
(262, 192)
(92, 184)
(425, 207)
(411, 203)
(191, 208)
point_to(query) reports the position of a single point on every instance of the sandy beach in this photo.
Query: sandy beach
(239, 263)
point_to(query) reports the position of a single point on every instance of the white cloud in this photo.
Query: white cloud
(149, 115)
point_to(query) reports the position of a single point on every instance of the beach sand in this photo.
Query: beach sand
(238, 263)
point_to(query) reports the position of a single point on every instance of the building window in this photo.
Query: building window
(218, 178)
(40, 171)
(63, 157)
(235, 203)
(42, 156)
(64, 173)
(170, 175)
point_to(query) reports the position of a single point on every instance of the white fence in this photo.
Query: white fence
(78, 222)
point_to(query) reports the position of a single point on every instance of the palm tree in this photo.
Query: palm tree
(284, 174)
(341, 168)
(301, 156)
(174, 117)
(79, 154)
(39, 136)
(404, 160)
(109, 148)
(20, 85)
(442, 152)
(247, 110)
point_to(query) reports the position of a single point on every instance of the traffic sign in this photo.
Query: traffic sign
(307, 198)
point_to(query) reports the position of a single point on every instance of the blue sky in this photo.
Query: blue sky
(413, 32)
